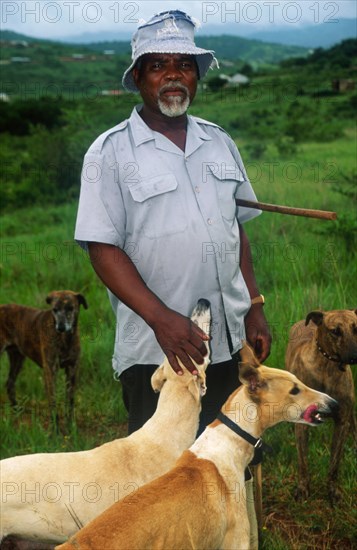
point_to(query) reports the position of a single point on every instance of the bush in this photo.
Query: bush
(309, 120)
(18, 117)
(40, 169)
(286, 146)
(256, 150)
(215, 84)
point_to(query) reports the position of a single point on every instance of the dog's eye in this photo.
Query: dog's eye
(336, 331)
(295, 390)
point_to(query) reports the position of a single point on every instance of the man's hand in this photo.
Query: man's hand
(177, 335)
(257, 332)
(180, 339)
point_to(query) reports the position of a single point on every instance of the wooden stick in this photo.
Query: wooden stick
(307, 213)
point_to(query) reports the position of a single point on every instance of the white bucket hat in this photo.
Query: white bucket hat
(167, 32)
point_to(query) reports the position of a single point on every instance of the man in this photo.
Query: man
(158, 217)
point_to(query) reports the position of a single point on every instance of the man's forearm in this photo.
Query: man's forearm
(246, 264)
(117, 271)
(177, 335)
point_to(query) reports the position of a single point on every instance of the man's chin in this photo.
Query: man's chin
(174, 109)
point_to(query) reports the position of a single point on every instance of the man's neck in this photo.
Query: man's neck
(162, 123)
(174, 128)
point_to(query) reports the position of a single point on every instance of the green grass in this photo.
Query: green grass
(298, 269)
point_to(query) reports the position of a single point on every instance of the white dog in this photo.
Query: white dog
(51, 496)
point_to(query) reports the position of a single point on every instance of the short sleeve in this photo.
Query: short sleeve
(245, 190)
(101, 214)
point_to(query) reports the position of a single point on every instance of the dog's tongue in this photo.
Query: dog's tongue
(308, 414)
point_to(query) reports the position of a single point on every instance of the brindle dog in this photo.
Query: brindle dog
(319, 352)
(49, 337)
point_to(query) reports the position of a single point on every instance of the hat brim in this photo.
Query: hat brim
(204, 59)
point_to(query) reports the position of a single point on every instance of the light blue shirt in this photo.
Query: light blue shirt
(174, 214)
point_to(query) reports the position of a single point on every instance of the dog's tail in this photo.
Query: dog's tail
(201, 315)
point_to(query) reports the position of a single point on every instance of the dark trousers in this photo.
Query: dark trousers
(140, 399)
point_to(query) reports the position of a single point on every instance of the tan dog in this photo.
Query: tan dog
(49, 337)
(201, 503)
(319, 352)
(50, 496)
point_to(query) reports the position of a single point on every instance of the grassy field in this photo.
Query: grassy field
(301, 265)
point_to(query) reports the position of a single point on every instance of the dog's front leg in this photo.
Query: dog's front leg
(70, 389)
(340, 434)
(16, 360)
(302, 438)
(49, 373)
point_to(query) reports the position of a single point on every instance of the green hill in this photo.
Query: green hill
(60, 98)
(341, 56)
(252, 51)
(52, 66)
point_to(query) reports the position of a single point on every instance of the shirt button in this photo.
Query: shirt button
(210, 221)
(197, 189)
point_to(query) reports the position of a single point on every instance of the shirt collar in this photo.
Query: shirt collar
(196, 136)
(141, 132)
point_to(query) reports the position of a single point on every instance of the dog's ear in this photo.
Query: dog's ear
(250, 376)
(49, 298)
(247, 355)
(158, 379)
(314, 316)
(197, 386)
(81, 300)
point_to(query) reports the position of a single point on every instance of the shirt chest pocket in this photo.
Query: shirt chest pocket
(226, 177)
(158, 206)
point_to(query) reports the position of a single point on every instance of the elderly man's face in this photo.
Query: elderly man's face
(167, 82)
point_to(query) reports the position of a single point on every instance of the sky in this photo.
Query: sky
(66, 18)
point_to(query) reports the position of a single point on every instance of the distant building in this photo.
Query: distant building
(111, 92)
(239, 79)
(4, 97)
(235, 80)
(226, 63)
(79, 57)
(343, 85)
(21, 43)
(20, 59)
(225, 77)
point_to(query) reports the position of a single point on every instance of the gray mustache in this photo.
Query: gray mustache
(173, 85)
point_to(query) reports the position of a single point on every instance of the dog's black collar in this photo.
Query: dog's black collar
(258, 444)
(329, 357)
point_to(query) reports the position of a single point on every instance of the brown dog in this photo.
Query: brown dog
(201, 503)
(319, 352)
(49, 337)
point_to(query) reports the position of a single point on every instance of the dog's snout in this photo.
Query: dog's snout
(331, 406)
(62, 325)
(202, 305)
(334, 405)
